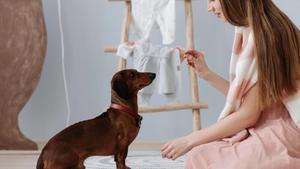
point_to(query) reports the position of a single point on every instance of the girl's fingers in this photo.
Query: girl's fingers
(166, 152)
(164, 146)
(163, 151)
(175, 156)
(190, 63)
(189, 57)
(190, 52)
(171, 154)
(194, 53)
(181, 53)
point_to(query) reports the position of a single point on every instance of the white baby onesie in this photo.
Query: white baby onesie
(147, 13)
(162, 60)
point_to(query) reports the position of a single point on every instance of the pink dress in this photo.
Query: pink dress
(273, 143)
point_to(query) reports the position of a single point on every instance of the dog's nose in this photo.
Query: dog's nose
(152, 75)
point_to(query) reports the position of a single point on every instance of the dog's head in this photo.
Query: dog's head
(126, 83)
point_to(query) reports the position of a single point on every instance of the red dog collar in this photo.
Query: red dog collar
(128, 110)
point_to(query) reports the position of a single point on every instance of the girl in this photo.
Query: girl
(254, 130)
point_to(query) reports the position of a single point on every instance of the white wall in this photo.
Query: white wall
(90, 26)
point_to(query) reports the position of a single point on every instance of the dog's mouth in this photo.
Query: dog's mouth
(142, 85)
(146, 80)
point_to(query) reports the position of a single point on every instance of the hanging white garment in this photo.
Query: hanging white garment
(147, 13)
(162, 60)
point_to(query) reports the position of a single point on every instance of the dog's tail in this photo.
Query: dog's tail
(40, 162)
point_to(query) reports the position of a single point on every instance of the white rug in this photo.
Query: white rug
(136, 160)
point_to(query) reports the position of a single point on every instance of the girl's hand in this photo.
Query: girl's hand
(176, 148)
(196, 60)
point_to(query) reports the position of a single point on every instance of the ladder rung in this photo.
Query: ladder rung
(170, 107)
(110, 50)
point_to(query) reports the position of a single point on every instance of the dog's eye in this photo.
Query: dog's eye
(132, 75)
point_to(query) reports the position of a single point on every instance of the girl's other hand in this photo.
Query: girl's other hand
(176, 148)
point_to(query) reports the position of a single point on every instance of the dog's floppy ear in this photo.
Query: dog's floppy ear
(120, 87)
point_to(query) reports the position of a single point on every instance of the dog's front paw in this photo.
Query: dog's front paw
(125, 167)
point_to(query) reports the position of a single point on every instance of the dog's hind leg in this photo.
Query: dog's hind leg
(40, 163)
(62, 160)
(80, 165)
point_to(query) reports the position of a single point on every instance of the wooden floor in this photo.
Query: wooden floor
(18, 159)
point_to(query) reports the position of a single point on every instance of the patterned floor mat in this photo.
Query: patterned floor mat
(136, 160)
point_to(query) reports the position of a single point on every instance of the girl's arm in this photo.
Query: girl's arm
(196, 60)
(245, 117)
(217, 81)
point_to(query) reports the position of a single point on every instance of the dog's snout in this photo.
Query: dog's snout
(152, 75)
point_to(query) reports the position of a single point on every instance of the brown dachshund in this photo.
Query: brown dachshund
(108, 134)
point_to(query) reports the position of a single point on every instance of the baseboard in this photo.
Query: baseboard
(19, 152)
(145, 145)
(136, 145)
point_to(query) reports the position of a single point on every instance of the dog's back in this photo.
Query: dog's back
(77, 138)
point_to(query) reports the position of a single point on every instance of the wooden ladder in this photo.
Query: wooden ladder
(195, 105)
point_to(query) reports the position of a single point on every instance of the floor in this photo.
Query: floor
(18, 159)
(140, 156)
(136, 160)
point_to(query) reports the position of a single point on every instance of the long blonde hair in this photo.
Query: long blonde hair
(277, 45)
